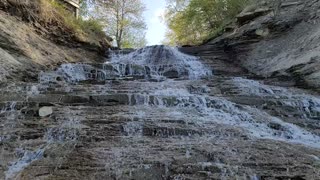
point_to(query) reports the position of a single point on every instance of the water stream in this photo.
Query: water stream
(149, 88)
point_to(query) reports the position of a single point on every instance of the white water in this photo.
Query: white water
(255, 122)
(154, 62)
(9, 116)
(161, 60)
(64, 134)
(27, 158)
(158, 62)
(9, 107)
(81, 72)
(133, 129)
(310, 105)
(34, 90)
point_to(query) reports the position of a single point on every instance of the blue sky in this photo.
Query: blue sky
(156, 28)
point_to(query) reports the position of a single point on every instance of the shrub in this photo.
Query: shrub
(84, 30)
(54, 17)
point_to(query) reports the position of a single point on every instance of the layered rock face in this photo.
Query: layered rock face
(277, 40)
(157, 114)
(26, 49)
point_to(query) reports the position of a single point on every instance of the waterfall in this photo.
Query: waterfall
(153, 62)
(153, 111)
(159, 61)
(163, 63)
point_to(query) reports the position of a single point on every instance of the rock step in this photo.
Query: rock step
(101, 123)
(101, 100)
(156, 158)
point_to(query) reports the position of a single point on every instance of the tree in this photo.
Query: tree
(123, 21)
(192, 21)
(84, 8)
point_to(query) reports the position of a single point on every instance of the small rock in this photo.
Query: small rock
(45, 111)
(171, 74)
(263, 32)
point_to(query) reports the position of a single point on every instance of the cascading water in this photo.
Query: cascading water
(27, 158)
(156, 112)
(159, 61)
(9, 107)
(64, 134)
(154, 62)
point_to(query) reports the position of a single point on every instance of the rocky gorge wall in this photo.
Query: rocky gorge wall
(27, 47)
(153, 113)
(280, 44)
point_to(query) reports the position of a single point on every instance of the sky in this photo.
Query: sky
(156, 28)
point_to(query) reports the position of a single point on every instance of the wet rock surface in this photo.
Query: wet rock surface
(122, 127)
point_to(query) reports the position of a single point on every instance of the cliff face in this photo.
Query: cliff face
(271, 43)
(27, 47)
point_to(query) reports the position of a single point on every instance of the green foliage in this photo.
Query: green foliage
(84, 8)
(193, 21)
(134, 40)
(122, 20)
(90, 25)
(55, 19)
(82, 28)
